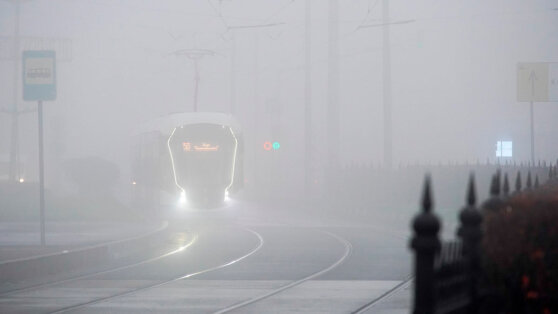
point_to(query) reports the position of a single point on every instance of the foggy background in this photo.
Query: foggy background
(453, 79)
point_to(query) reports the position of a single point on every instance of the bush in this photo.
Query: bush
(521, 251)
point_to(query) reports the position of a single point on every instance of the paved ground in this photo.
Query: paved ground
(247, 253)
(22, 239)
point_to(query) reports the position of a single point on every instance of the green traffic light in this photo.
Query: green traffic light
(276, 145)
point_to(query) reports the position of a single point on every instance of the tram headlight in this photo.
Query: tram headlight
(182, 199)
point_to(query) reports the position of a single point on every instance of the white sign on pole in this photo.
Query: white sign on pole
(39, 75)
(39, 71)
(537, 82)
(553, 81)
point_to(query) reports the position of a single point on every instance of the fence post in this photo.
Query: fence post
(506, 188)
(494, 203)
(528, 183)
(471, 235)
(518, 182)
(426, 244)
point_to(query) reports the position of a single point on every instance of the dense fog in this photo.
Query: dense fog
(121, 64)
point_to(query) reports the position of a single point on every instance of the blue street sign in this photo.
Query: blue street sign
(39, 75)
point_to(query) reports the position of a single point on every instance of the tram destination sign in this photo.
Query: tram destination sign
(39, 75)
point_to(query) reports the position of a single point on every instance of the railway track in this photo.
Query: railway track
(161, 283)
(368, 306)
(347, 249)
(97, 273)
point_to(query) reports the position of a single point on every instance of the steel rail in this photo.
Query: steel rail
(348, 250)
(159, 284)
(384, 296)
(97, 273)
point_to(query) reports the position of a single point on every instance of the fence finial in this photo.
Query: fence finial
(528, 184)
(471, 197)
(506, 188)
(536, 181)
(426, 196)
(471, 234)
(425, 243)
(495, 186)
(518, 182)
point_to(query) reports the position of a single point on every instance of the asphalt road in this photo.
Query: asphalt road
(244, 259)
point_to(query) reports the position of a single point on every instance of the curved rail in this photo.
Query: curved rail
(384, 296)
(348, 250)
(125, 293)
(102, 272)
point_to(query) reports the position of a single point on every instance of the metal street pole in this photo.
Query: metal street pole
(196, 84)
(386, 73)
(256, 79)
(232, 91)
(386, 78)
(41, 174)
(308, 98)
(256, 95)
(14, 141)
(233, 29)
(333, 87)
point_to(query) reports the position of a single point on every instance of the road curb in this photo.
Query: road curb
(54, 263)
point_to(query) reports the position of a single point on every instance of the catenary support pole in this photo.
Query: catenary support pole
(41, 175)
(233, 74)
(307, 98)
(386, 71)
(14, 140)
(333, 86)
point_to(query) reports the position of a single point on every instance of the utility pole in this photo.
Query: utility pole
(308, 98)
(333, 86)
(232, 105)
(195, 55)
(386, 70)
(14, 141)
(233, 30)
(386, 78)
(256, 87)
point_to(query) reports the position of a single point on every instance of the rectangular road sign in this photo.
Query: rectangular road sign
(553, 81)
(39, 75)
(537, 81)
